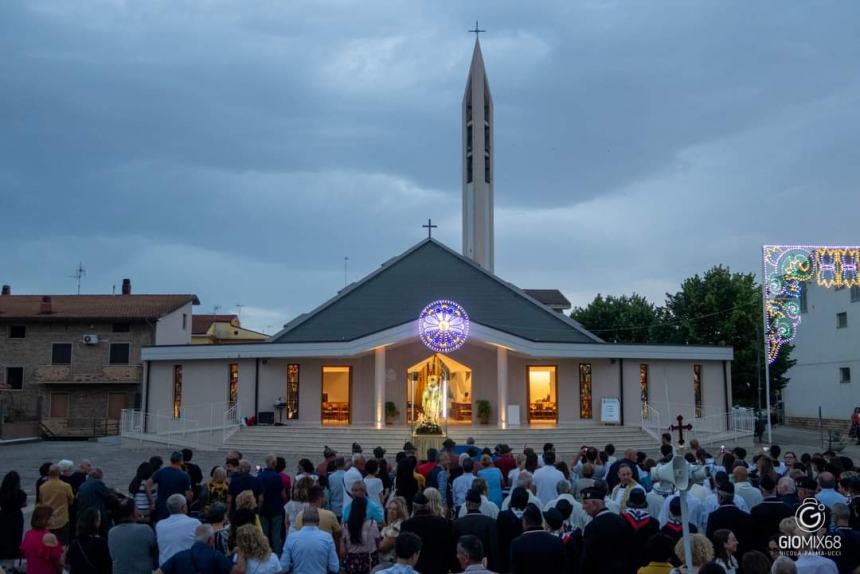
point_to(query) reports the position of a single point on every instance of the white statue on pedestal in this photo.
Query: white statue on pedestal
(431, 400)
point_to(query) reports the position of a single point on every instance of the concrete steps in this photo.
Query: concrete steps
(309, 440)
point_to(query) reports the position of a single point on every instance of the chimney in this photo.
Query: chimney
(7, 290)
(126, 286)
(45, 307)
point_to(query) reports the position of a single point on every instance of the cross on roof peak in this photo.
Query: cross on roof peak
(476, 31)
(429, 227)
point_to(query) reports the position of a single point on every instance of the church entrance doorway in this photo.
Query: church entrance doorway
(543, 394)
(440, 384)
(336, 394)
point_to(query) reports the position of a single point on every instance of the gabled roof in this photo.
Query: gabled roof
(200, 323)
(396, 293)
(81, 307)
(549, 297)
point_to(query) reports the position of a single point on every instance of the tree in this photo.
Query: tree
(717, 308)
(618, 319)
(724, 308)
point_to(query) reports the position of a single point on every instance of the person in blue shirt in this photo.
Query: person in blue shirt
(309, 550)
(202, 557)
(374, 511)
(827, 494)
(407, 548)
(169, 480)
(494, 479)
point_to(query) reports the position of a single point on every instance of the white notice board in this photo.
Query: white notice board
(610, 411)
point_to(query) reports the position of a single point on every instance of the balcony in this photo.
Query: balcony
(63, 375)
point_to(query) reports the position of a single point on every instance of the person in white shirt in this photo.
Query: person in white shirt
(578, 517)
(352, 475)
(463, 483)
(177, 532)
(695, 514)
(624, 487)
(546, 479)
(525, 480)
(488, 507)
(743, 488)
(374, 485)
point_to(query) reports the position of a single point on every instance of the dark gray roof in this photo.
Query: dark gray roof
(397, 292)
(551, 297)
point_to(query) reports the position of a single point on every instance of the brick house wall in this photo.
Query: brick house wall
(87, 382)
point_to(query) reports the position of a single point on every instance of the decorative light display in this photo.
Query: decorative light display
(443, 326)
(787, 268)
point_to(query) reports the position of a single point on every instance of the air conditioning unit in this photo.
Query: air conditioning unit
(91, 339)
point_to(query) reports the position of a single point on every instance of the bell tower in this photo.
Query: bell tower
(478, 164)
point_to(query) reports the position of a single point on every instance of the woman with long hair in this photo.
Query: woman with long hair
(89, 553)
(396, 512)
(252, 546)
(360, 538)
(298, 502)
(12, 500)
(137, 489)
(216, 489)
(405, 484)
(531, 461)
(41, 548)
(725, 547)
(434, 501)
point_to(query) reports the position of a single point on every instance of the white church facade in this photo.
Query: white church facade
(517, 361)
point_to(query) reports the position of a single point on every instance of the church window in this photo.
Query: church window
(177, 391)
(293, 371)
(844, 374)
(855, 293)
(643, 388)
(469, 169)
(585, 391)
(487, 138)
(469, 138)
(233, 386)
(803, 300)
(487, 169)
(543, 394)
(841, 320)
(469, 112)
(697, 389)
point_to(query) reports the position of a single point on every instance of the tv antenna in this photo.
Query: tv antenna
(239, 310)
(78, 274)
(345, 266)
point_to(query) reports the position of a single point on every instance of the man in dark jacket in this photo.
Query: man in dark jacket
(767, 515)
(481, 526)
(509, 525)
(731, 517)
(641, 525)
(605, 539)
(438, 551)
(536, 550)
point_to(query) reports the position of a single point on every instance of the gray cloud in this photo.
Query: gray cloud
(240, 151)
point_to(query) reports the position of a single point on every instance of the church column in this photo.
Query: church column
(379, 386)
(502, 384)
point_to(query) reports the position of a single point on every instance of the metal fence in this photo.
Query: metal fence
(209, 427)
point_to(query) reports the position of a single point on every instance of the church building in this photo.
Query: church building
(434, 322)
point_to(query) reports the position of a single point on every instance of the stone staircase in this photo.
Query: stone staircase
(308, 441)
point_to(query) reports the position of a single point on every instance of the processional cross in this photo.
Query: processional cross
(429, 227)
(476, 31)
(681, 427)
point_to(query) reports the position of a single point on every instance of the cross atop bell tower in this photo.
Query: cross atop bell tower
(478, 166)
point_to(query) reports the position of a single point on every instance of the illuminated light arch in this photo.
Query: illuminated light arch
(787, 268)
(443, 326)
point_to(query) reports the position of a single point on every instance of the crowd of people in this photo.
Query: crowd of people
(460, 508)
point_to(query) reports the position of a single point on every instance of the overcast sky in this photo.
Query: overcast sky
(241, 150)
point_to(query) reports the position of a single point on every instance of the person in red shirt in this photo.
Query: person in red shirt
(505, 462)
(425, 468)
(328, 456)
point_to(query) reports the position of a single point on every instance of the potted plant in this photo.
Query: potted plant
(483, 411)
(391, 412)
